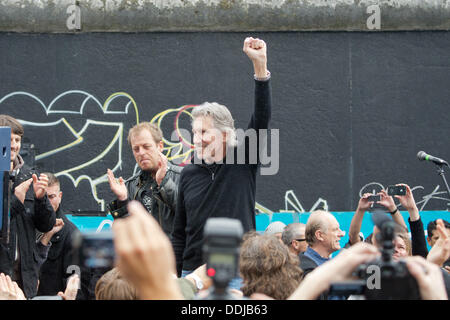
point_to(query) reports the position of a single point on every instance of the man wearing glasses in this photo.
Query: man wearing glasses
(294, 237)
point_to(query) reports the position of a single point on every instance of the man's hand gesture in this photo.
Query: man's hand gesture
(117, 186)
(40, 185)
(256, 50)
(21, 190)
(162, 169)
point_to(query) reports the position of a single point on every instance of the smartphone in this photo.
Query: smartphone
(374, 198)
(396, 190)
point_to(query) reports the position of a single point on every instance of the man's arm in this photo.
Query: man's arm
(44, 217)
(355, 225)
(179, 230)
(256, 50)
(418, 239)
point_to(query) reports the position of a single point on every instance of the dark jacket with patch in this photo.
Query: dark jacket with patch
(26, 219)
(163, 198)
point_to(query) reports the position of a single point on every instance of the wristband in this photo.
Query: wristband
(394, 212)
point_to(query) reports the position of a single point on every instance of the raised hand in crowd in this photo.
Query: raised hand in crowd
(40, 185)
(46, 237)
(145, 255)
(9, 290)
(117, 186)
(364, 204)
(162, 168)
(388, 202)
(21, 190)
(73, 284)
(408, 202)
(256, 50)
(338, 269)
(440, 252)
(429, 278)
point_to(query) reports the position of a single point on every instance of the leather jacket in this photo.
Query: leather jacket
(163, 198)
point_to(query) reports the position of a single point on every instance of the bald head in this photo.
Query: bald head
(323, 231)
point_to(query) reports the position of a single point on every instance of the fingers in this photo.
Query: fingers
(440, 227)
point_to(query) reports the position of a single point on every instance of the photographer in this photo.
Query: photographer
(429, 277)
(30, 211)
(364, 205)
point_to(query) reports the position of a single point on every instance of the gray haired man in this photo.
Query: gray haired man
(212, 187)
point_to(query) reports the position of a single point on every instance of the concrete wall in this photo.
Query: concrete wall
(222, 15)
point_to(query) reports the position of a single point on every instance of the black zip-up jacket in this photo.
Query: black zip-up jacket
(27, 218)
(164, 196)
(54, 272)
(217, 190)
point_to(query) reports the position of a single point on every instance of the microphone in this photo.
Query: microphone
(422, 155)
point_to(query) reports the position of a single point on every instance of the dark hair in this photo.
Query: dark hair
(267, 267)
(432, 226)
(8, 121)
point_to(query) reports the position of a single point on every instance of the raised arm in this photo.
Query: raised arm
(355, 225)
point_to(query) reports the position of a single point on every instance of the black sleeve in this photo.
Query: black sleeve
(44, 218)
(179, 230)
(418, 240)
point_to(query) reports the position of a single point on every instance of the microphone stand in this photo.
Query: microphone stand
(440, 171)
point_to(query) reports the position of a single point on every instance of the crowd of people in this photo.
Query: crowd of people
(160, 215)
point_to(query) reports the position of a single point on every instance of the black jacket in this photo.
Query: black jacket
(164, 197)
(27, 218)
(54, 272)
(218, 190)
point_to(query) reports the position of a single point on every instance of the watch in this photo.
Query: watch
(197, 280)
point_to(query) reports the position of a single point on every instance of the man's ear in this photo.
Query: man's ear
(161, 146)
(429, 241)
(318, 235)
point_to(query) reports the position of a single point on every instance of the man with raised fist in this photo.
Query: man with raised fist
(213, 186)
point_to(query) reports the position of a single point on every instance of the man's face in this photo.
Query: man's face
(299, 244)
(435, 236)
(332, 235)
(54, 194)
(209, 142)
(146, 152)
(16, 142)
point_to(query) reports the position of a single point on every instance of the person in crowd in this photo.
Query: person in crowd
(267, 267)
(276, 229)
(156, 183)
(55, 271)
(211, 186)
(113, 286)
(364, 205)
(323, 236)
(30, 210)
(429, 278)
(293, 237)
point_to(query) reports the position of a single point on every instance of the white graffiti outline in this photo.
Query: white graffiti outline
(118, 137)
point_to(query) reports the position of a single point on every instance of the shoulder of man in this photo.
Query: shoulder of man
(174, 168)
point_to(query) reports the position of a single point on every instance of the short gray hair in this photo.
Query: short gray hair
(291, 232)
(222, 118)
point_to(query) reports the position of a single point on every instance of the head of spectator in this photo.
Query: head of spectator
(323, 233)
(213, 130)
(433, 235)
(113, 286)
(402, 242)
(146, 143)
(275, 228)
(294, 237)
(267, 267)
(54, 192)
(16, 137)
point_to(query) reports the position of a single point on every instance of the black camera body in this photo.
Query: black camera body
(396, 190)
(395, 282)
(383, 278)
(221, 249)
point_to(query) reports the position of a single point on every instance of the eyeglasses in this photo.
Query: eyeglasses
(300, 240)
